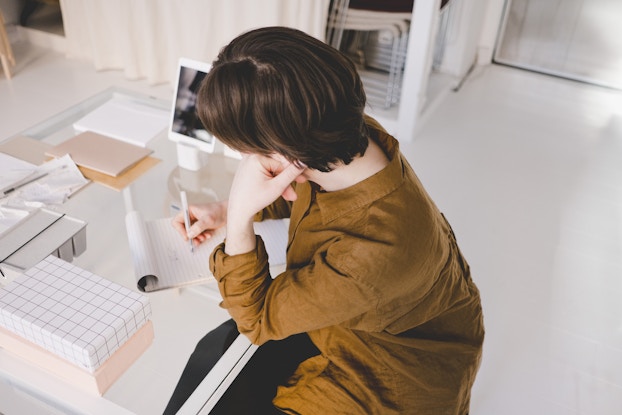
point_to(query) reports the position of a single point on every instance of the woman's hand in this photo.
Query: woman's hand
(204, 219)
(259, 181)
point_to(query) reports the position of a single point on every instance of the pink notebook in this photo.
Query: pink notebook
(100, 153)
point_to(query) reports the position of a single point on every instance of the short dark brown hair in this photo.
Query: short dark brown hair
(277, 89)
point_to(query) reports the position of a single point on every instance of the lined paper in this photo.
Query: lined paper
(72, 312)
(162, 259)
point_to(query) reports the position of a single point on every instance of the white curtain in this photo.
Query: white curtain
(145, 38)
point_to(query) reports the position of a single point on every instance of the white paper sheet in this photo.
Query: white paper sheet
(125, 119)
(162, 259)
(13, 171)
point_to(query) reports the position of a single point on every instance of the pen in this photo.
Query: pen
(184, 207)
(28, 180)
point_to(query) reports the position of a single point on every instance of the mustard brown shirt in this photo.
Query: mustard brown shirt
(376, 279)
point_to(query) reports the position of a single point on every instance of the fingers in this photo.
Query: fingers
(178, 224)
(204, 220)
(289, 174)
(203, 236)
(197, 228)
(289, 194)
(199, 231)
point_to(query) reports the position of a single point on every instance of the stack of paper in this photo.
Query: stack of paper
(53, 182)
(81, 327)
(15, 173)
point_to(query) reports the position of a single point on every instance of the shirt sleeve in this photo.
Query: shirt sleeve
(301, 300)
(279, 209)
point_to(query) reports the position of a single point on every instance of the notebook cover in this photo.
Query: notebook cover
(124, 179)
(26, 148)
(100, 153)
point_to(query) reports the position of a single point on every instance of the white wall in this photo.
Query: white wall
(491, 24)
(462, 41)
(472, 35)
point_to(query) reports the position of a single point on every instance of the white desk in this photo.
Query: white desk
(180, 317)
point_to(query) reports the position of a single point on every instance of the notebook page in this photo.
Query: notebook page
(274, 235)
(158, 250)
(176, 264)
(140, 245)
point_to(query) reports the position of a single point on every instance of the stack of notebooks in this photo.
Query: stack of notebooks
(104, 159)
(68, 321)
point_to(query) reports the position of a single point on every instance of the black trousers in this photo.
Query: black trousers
(253, 389)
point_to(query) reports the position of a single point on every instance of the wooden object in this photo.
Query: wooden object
(6, 53)
(120, 182)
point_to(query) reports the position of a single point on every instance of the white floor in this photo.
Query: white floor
(528, 169)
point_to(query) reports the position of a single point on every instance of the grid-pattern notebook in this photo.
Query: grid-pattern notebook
(72, 312)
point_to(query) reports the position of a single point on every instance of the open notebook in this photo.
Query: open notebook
(162, 259)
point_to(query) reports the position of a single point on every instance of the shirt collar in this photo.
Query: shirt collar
(341, 202)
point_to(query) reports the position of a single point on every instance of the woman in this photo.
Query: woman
(376, 312)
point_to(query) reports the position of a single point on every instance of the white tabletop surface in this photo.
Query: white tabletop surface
(181, 317)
